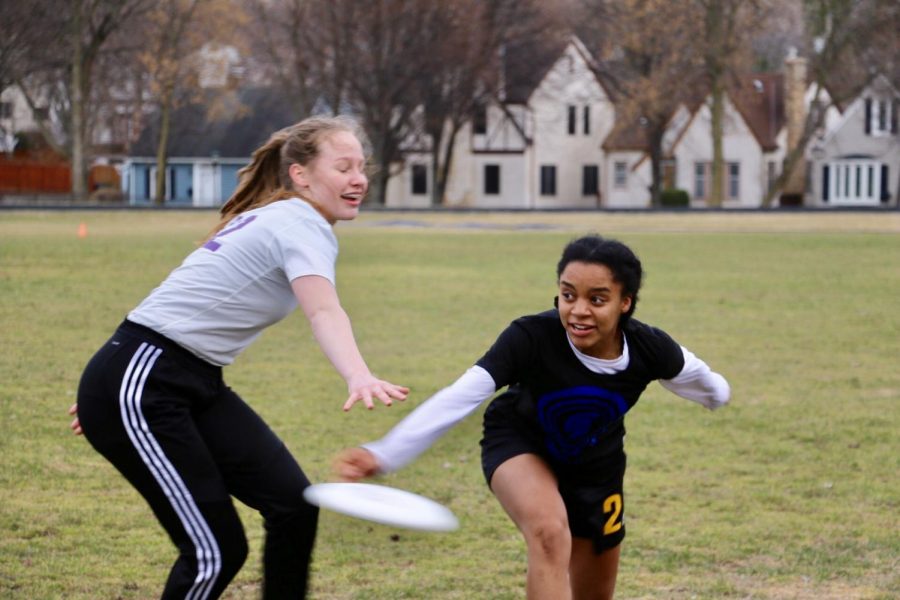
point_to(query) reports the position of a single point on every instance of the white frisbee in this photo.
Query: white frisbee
(382, 504)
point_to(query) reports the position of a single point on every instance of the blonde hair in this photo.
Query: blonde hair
(266, 179)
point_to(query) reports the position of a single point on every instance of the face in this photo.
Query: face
(590, 304)
(335, 182)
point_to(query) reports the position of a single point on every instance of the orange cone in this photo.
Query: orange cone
(82, 230)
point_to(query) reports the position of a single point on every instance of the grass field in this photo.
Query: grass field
(791, 492)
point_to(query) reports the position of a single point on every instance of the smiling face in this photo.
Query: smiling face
(590, 305)
(334, 182)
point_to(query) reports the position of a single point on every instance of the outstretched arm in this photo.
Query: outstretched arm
(697, 382)
(420, 429)
(331, 328)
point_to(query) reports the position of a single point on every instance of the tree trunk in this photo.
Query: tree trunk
(441, 177)
(78, 100)
(165, 113)
(654, 133)
(717, 176)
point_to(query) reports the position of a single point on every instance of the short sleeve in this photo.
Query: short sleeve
(510, 356)
(304, 249)
(669, 357)
(661, 355)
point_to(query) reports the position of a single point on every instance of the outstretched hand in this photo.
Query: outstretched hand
(369, 387)
(76, 424)
(354, 464)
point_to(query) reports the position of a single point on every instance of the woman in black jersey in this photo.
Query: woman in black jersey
(552, 450)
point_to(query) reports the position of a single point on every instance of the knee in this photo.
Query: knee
(550, 537)
(233, 552)
(297, 516)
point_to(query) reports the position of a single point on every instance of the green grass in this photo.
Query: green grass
(790, 492)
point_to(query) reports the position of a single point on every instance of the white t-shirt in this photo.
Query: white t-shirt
(227, 291)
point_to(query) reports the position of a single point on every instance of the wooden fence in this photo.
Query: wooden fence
(17, 176)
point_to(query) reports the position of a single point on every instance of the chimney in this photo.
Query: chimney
(795, 118)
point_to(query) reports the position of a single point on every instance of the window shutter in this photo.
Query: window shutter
(894, 106)
(885, 192)
(825, 183)
(868, 123)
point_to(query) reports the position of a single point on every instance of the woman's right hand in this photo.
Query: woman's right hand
(354, 464)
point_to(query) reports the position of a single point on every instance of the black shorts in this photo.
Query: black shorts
(594, 497)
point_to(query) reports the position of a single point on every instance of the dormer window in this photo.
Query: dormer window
(881, 116)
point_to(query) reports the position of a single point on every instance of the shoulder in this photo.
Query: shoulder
(287, 218)
(539, 326)
(655, 347)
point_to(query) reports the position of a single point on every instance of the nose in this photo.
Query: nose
(581, 306)
(359, 178)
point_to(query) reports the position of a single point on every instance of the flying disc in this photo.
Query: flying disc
(382, 504)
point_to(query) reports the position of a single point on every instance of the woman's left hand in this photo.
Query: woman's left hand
(76, 424)
(368, 387)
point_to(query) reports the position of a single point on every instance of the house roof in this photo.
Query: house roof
(525, 64)
(225, 125)
(758, 97)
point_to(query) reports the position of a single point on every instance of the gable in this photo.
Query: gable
(570, 78)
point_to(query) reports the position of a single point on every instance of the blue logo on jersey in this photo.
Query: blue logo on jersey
(573, 419)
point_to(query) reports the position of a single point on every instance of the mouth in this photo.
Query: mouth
(579, 329)
(354, 198)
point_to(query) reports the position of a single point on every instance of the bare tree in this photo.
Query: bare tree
(648, 61)
(388, 52)
(92, 24)
(469, 61)
(849, 43)
(728, 27)
(177, 31)
(287, 39)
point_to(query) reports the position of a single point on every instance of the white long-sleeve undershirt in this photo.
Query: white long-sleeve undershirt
(434, 417)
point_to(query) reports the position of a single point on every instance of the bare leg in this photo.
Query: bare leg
(593, 575)
(527, 490)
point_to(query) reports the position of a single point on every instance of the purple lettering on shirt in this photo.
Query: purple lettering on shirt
(235, 224)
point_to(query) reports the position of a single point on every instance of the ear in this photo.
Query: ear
(626, 304)
(297, 173)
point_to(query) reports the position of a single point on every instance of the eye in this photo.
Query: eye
(567, 296)
(598, 300)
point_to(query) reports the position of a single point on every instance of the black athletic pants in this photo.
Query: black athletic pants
(188, 443)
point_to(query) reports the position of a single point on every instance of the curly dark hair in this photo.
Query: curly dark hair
(613, 254)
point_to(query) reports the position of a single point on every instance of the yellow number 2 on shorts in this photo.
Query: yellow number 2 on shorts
(612, 506)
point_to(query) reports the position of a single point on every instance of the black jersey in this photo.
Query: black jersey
(578, 414)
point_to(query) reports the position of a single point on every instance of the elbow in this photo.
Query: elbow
(721, 394)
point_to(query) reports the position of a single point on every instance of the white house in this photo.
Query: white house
(537, 151)
(855, 161)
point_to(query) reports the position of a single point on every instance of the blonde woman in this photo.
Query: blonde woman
(153, 401)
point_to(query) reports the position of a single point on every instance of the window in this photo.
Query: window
(419, 179)
(480, 119)
(734, 181)
(6, 110)
(548, 180)
(587, 120)
(620, 174)
(880, 117)
(41, 113)
(590, 180)
(492, 179)
(572, 118)
(700, 180)
(853, 181)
